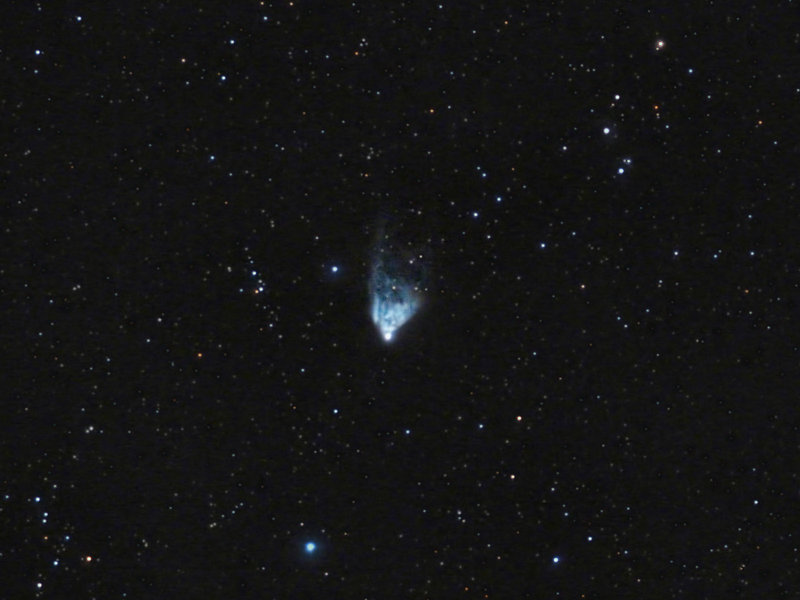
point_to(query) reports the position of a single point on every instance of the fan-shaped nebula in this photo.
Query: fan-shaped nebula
(395, 298)
(399, 271)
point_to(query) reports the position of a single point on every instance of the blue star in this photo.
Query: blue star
(310, 547)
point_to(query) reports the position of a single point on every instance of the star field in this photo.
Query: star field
(590, 386)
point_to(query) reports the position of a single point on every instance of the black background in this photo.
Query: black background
(605, 368)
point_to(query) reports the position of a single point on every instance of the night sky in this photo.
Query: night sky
(589, 215)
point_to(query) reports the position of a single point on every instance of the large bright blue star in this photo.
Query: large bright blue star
(310, 547)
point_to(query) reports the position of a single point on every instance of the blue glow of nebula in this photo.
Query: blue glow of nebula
(395, 297)
(392, 307)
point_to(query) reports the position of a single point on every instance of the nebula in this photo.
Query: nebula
(395, 299)
(397, 280)
(399, 272)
